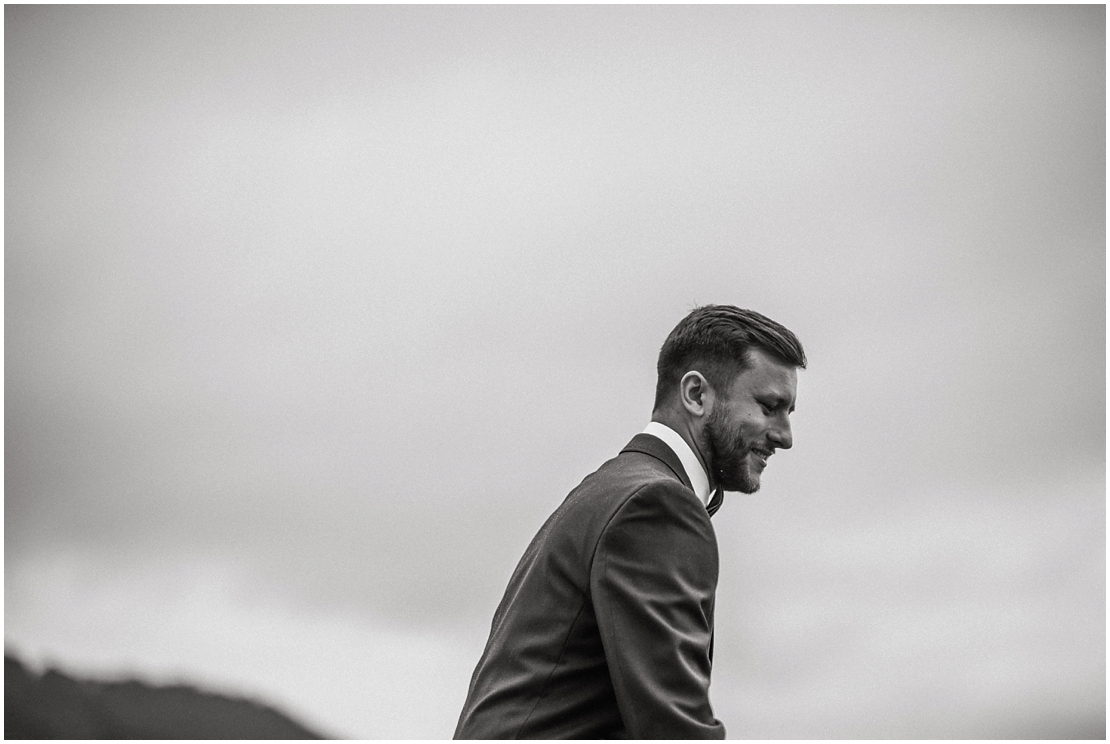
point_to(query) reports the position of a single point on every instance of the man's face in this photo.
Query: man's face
(750, 421)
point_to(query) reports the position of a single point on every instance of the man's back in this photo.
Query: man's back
(606, 627)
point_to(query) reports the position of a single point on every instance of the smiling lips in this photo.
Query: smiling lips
(762, 455)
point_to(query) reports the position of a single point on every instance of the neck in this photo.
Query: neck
(684, 427)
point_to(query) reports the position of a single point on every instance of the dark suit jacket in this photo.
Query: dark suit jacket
(606, 627)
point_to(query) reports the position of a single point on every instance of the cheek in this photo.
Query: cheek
(741, 435)
(749, 425)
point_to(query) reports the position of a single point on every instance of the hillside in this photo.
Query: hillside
(56, 706)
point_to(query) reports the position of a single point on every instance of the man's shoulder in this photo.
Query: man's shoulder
(633, 467)
(632, 473)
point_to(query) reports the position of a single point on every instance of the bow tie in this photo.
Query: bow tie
(715, 502)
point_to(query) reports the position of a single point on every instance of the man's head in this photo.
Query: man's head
(728, 380)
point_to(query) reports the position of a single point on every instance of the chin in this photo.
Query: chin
(749, 481)
(744, 482)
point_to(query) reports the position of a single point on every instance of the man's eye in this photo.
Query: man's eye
(766, 408)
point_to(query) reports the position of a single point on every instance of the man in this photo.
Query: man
(606, 628)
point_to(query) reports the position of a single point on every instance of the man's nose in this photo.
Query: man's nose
(781, 435)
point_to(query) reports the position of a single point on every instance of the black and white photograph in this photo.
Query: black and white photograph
(555, 371)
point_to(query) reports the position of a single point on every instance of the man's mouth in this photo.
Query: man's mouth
(762, 455)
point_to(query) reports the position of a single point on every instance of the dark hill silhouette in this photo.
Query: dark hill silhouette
(56, 706)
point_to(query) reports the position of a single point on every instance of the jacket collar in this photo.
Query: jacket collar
(699, 479)
(650, 445)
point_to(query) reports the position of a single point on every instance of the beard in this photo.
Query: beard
(728, 455)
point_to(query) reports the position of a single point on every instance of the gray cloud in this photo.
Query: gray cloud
(349, 298)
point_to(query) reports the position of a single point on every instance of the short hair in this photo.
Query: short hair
(715, 340)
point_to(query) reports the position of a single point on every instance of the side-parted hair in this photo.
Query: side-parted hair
(715, 340)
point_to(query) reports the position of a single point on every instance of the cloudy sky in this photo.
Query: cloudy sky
(313, 314)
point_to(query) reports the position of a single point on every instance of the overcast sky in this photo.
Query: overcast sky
(313, 314)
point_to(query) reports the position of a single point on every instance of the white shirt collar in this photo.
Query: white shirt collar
(690, 463)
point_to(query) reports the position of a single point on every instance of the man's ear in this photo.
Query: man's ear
(696, 393)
